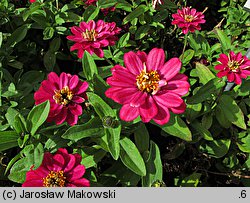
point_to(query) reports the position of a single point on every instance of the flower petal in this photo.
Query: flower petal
(171, 68)
(129, 113)
(155, 59)
(133, 63)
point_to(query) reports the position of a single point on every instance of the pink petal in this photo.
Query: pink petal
(129, 113)
(222, 73)
(73, 82)
(75, 109)
(171, 68)
(230, 77)
(80, 88)
(163, 115)
(133, 63)
(138, 99)
(60, 118)
(64, 79)
(237, 79)
(148, 110)
(178, 87)
(223, 59)
(81, 183)
(76, 173)
(72, 119)
(33, 183)
(180, 109)
(168, 99)
(155, 59)
(121, 95)
(70, 164)
(78, 99)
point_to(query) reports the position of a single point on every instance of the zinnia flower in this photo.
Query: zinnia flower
(92, 37)
(59, 170)
(65, 94)
(234, 66)
(148, 87)
(32, 1)
(188, 19)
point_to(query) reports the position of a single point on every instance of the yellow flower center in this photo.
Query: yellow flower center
(148, 81)
(54, 179)
(90, 35)
(233, 65)
(189, 18)
(63, 96)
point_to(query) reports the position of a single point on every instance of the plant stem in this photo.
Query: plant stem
(184, 47)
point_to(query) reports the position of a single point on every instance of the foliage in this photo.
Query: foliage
(210, 141)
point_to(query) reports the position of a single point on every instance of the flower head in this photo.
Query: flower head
(93, 36)
(32, 1)
(65, 94)
(234, 66)
(59, 170)
(148, 87)
(188, 19)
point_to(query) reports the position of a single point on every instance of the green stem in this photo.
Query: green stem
(57, 4)
(184, 47)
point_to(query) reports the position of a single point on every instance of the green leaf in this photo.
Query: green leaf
(89, 66)
(37, 116)
(203, 73)
(91, 155)
(123, 41)
(106, 3)
(191, 181)
(224, 40)
(49, 60)
(153, 166)
(55, 44)
(38, 155)
(136, 13)
(113, 134)
(90, 13)
(142, 138)
(19, 170)
(223, 121)
(232, 111)
(17, 36)
(216, 148)
(48, 33)
(188, 55)
(113, 137)
(206, 91)
(201, 130)
(93, 128)
(20, 124)
(177, 127)
(131, 157)
(142, 31)
(8, 139)
(30, 11)
(100, 106)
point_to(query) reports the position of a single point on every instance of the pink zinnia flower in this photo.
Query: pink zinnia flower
(59, 170)
(234, 66)
(188, 19)
(92, 37)
(65, 94)
(148, 87)
(32, 1)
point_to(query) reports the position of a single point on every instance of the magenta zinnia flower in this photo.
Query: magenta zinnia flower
(92, 37)
(148, 87)
(65, 94)
(188, 19)
(234, 66)
(59, 170)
